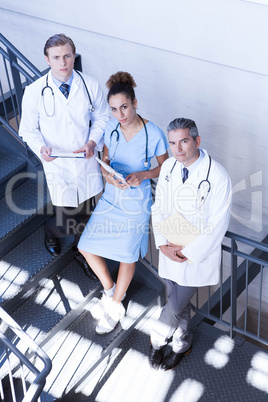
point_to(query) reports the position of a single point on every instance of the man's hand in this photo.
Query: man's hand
(173, 252)
(88, 149)
(45, 152)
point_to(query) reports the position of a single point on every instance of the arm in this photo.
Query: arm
(29, 126)
(99, 118)
(135, 179)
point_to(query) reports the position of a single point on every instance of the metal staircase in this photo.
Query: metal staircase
(50, 298)
(52, 301)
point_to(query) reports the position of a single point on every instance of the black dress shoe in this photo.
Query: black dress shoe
(155, 357)
(173, 359)
(52, 245)
(86, 268)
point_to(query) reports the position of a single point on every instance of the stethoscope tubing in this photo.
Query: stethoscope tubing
(206, 180)
(91, 107)
(116, 132)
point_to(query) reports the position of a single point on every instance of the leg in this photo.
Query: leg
(173, 315)
(99, 267)
(125, 275)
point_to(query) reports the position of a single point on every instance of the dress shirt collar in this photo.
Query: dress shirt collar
(58, 82)
(194, 165)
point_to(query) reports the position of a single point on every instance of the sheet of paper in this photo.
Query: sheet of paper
(177, 230)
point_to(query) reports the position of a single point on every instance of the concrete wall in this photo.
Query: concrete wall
(202, 59)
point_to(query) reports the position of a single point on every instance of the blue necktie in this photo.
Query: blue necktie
(65, 89)
(184, 174)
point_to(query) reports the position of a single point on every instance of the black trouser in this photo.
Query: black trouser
(68, 221)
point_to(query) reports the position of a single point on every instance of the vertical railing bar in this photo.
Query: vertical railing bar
(11, 94)
(221, 282)
(208, 299)
(23, 379)
(4, 102)
(246, 299)
(11, 381)
(233, 287)
(2, 396)
(260, 300)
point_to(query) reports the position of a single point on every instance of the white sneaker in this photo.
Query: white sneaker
(111, 318)
(99, 306)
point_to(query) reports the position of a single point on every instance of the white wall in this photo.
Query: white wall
(202, 59)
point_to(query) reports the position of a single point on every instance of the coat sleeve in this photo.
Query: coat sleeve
(100, 116)
(158, 208)
(29, 125)
(216, 225)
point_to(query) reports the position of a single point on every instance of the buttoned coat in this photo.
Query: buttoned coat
(63, 124)
(210, 219)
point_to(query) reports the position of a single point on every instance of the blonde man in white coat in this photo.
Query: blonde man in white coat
(56, 113)
(190, 217)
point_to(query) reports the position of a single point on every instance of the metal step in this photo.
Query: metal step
(22, 211)
(61, 323)
(10, 166)
(217, 370)
(22, 269)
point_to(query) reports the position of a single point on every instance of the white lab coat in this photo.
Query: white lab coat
(70, 181)
(204, 253)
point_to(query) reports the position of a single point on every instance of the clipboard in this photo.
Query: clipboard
(177, 230)
(58, 154)
(109, 169)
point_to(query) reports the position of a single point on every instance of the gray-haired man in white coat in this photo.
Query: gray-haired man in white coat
(190, 217)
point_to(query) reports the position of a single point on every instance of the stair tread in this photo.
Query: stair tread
(19, 206)
(10, 165)
(16, 271)
(77, 348)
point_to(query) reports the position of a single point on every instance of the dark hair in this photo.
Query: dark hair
(121, 82)
(181, 122)
(58, 40)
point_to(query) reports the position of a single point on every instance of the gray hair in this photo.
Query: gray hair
(181, 122)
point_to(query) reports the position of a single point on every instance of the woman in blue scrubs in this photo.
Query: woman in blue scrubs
(118, 228)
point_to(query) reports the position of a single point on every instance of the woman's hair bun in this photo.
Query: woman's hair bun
(122, 77)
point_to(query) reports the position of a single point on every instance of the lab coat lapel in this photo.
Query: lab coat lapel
(200, 173)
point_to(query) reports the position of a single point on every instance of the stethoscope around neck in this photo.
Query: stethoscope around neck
(199, 200)
(91, 107)
(116, 133)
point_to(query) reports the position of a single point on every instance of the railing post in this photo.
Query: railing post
(16, 80)
(233, 288)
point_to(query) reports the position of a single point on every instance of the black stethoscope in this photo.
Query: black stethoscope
(116, 132)
(201, 198)
(91, 107)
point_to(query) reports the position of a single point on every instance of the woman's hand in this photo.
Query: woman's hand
(109, 177)
(135, 179)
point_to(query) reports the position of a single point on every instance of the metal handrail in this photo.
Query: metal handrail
(18, 72)
(225, 297)
(222, 303)
(33, 391)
